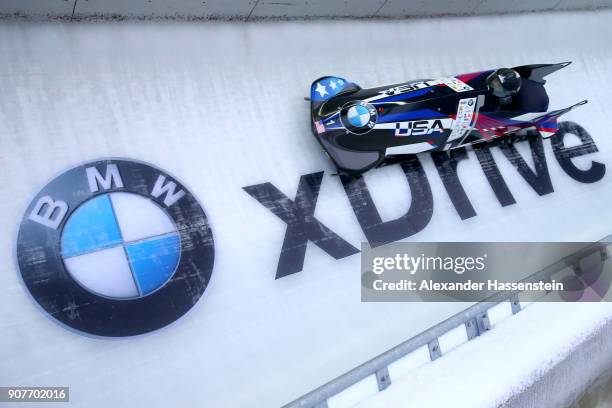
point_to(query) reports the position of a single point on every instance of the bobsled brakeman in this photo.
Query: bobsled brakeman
(365, 128)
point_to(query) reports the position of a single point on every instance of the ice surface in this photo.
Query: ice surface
(453, 339)
(490, 369)
(219, 106)
(409, 362)
(355, 393)
(499, 312)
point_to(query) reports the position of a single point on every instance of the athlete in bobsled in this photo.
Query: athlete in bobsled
(365, 128)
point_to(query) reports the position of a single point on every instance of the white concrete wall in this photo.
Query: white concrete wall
(252, 9)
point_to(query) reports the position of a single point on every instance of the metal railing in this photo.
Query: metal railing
(476, 322)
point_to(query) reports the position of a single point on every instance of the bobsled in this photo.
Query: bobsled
(365, 128)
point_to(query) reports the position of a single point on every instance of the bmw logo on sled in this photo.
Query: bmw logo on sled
(365, 128)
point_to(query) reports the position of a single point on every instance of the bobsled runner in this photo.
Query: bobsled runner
(365, 128)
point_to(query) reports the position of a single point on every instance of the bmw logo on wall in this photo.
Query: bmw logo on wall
(115, 248)
(358, 117)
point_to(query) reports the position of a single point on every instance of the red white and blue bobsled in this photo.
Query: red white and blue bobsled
(362, 128)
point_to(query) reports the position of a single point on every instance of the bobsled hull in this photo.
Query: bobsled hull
(360, 128)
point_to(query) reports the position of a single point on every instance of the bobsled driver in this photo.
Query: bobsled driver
(504, 83)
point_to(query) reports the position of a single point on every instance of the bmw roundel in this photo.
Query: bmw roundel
(115, 248)
(358, 117)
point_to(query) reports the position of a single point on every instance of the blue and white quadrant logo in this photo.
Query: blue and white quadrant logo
(358, 117)
(115, 248)
(131, 247)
